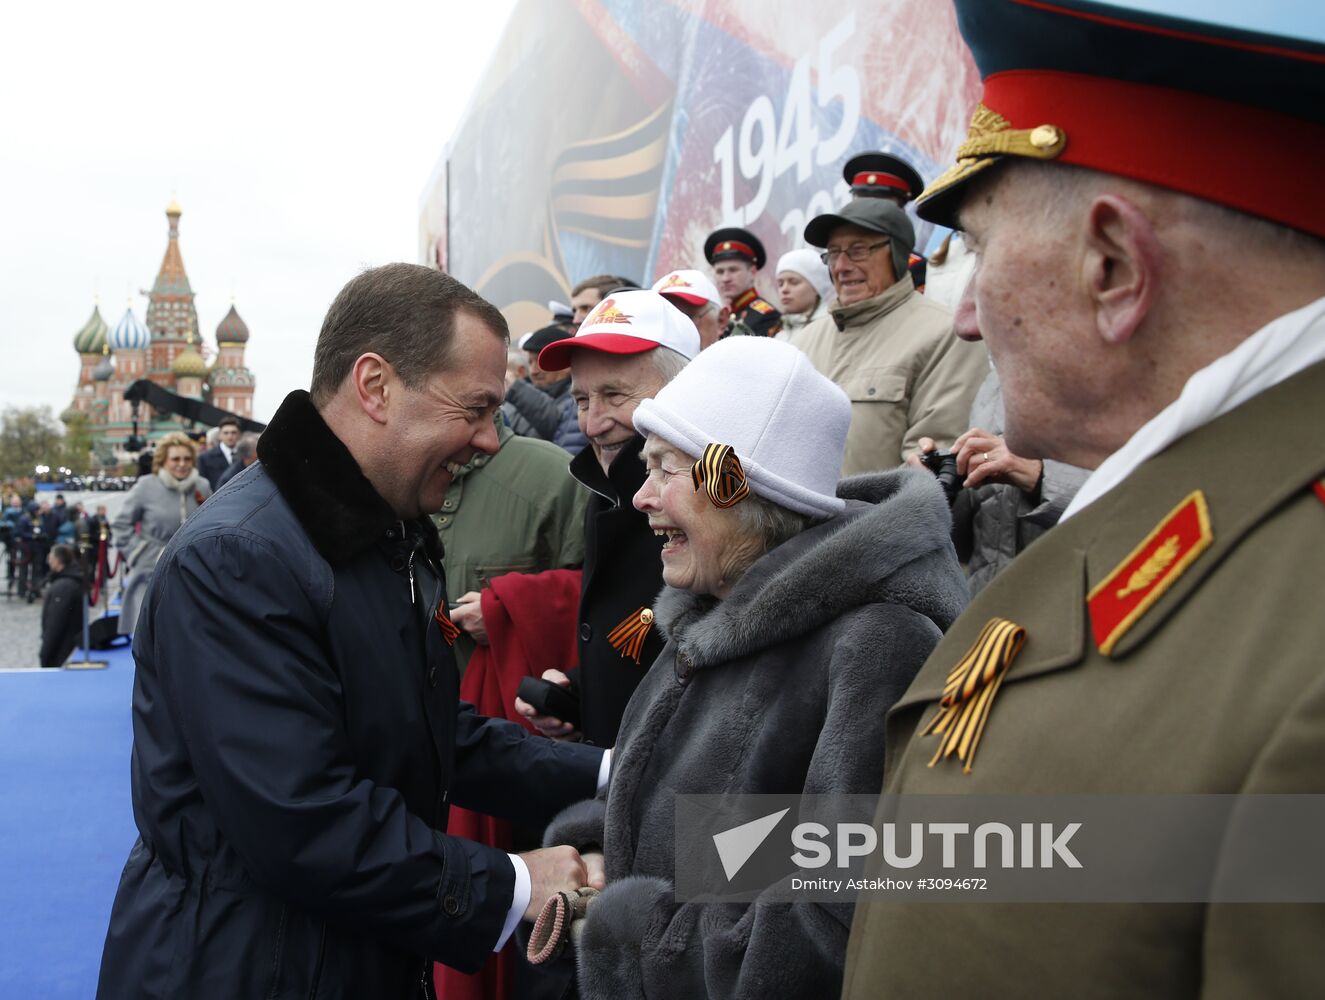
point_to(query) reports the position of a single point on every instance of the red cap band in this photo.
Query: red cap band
(873, 178)
(728, 246)
(1256, 161)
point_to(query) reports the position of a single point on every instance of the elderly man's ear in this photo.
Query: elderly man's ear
(1120, 266)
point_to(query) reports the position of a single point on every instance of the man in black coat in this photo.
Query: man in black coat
(213, 462)
(298, 737)
(628, 348)
(62, 608)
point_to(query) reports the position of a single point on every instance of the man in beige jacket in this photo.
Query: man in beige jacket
(890, 349)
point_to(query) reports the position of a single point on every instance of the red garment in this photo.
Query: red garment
(530, 618)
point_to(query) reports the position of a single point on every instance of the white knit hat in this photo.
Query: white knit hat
(809, 266)
(786, 423)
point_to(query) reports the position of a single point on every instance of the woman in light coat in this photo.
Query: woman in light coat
(153, 511)
(796, 612)
(805, 289)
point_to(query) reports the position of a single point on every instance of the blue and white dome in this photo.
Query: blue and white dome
(130, 334)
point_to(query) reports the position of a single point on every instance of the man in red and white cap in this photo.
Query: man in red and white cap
(1142, 194)
(698, 298)
(630, 346)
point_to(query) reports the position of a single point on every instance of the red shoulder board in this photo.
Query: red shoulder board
(760, 306)
(1318, 488)
(1122, 597)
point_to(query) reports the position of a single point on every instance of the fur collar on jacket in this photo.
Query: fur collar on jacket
(324, 486)
(882, 549)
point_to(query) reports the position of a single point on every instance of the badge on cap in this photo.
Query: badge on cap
(1136, 583)
(607, 312)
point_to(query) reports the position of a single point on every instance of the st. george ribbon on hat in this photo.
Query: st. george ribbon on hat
(734, 243)
(1230, 116)
(882, 175)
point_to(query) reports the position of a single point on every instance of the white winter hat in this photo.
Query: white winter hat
(785, 422)
(809, 266)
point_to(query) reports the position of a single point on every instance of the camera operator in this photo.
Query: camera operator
(1001, 502)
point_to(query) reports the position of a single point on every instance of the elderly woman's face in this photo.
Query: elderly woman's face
(708, 548)
(179, 460)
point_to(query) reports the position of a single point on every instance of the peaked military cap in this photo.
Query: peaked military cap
(733, 243)
(882, 175)
(1229, 116)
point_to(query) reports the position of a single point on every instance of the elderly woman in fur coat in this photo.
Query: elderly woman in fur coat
(796, 611)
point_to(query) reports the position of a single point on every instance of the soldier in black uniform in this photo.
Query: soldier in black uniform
(882, 175)
(736, 255)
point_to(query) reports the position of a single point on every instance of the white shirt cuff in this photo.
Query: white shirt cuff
(524, 888)
(604, 769)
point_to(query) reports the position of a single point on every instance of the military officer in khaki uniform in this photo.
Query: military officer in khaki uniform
(1173, 340)
(736, 256)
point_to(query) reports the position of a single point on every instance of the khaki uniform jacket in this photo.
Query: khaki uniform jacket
(1219, 687)
(905, 372)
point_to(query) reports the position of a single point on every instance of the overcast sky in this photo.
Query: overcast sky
(297, 138)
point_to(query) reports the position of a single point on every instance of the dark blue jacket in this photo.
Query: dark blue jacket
(298, 739)
(212, 465)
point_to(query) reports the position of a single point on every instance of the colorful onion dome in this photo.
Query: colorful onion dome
(129, 334)
(92, 337)
(232, 329)
(189, 364)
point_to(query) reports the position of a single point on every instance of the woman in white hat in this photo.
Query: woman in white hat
(805, 289)
(796, 611)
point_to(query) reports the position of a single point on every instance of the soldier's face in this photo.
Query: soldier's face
(733, 277)
(1025, 302)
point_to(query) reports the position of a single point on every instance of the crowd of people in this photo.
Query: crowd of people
(417, 687)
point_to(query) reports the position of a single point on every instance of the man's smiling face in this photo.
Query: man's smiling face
(607, 388)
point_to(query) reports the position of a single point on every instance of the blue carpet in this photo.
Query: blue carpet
(66, 823)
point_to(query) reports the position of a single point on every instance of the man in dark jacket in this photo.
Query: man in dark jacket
(628, 348)
(544, 400)
(62, 609)
(298, 738)
(213, 462)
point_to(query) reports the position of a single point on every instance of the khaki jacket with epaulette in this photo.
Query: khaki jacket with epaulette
(906, 374)
(1218, 687)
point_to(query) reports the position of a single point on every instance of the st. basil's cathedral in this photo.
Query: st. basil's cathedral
(167, 349)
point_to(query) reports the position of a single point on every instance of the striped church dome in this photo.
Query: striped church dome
(92, 337)
(232, 329)
(130, 334)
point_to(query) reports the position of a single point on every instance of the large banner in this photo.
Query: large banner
(611, 136)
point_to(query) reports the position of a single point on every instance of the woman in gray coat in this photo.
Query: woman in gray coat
(156, 507)
(796, 612)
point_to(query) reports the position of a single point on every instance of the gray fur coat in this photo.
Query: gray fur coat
(780, 688)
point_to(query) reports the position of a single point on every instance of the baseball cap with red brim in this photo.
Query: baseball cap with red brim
(629, 322)
(689, 286)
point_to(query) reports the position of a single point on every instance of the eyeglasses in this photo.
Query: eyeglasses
(857, 253)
